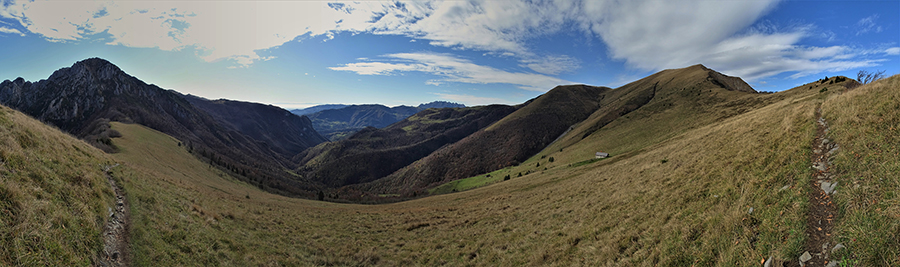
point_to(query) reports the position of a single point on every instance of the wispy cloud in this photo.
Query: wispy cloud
(470, 100)
(11, 31)
(757, 56)
(867, 25)
(451, 69)
(893, 51)
(552, 65)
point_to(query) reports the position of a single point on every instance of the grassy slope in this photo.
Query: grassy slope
(627, 210)
(53, 195)
(865, 122)
(504, 143)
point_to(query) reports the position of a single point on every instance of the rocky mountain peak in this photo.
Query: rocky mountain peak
(90, 70)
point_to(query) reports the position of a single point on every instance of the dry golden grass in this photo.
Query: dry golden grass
(53, 195)
(865, 122)
(679, 198)
(680, 201)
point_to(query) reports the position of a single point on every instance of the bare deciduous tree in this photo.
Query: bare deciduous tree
(865, 77)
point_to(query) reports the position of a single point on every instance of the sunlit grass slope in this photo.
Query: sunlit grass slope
(679, 202)
(53, 195)
(865, 122)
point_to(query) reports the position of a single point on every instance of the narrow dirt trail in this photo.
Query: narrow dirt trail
(115, 233)
(820, 222)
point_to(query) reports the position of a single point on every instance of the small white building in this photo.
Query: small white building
(601, 155)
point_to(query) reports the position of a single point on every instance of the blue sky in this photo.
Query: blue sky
(301, 53)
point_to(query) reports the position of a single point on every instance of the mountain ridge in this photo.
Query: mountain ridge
(341, 122)
(83, 98)
(373, 153)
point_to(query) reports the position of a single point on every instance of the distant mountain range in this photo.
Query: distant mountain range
(337, 121)
(373, 153)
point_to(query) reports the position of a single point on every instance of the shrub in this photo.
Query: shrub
(506, 178)
(551, 159)
(865, 77)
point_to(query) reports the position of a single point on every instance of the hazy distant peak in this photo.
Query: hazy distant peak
(440, 104)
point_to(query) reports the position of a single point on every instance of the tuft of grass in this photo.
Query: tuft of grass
(865, 123)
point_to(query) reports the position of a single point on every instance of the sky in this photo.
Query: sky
(296, 54)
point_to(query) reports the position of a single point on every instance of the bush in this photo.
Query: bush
(865, 77)
(506, 178)
(551, 159)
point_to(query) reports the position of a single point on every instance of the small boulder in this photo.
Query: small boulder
(805, 257)
(828, 187)
(837, 248)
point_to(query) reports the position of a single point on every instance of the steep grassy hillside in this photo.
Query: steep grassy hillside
(865, 123)
(54, 195)
(284, 132)
(507, 142)
(659, 107)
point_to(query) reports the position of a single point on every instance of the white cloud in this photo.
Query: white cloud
(11, 31)
(655, 35)
(867, 24)
(893, 51)
(470, 100)
(648, 35)
(231, 30)
(754, 57)
(552, 65)
(451, 69)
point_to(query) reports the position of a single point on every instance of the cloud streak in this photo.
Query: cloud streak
(11, 31)
(451, 69)
(470, 100)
